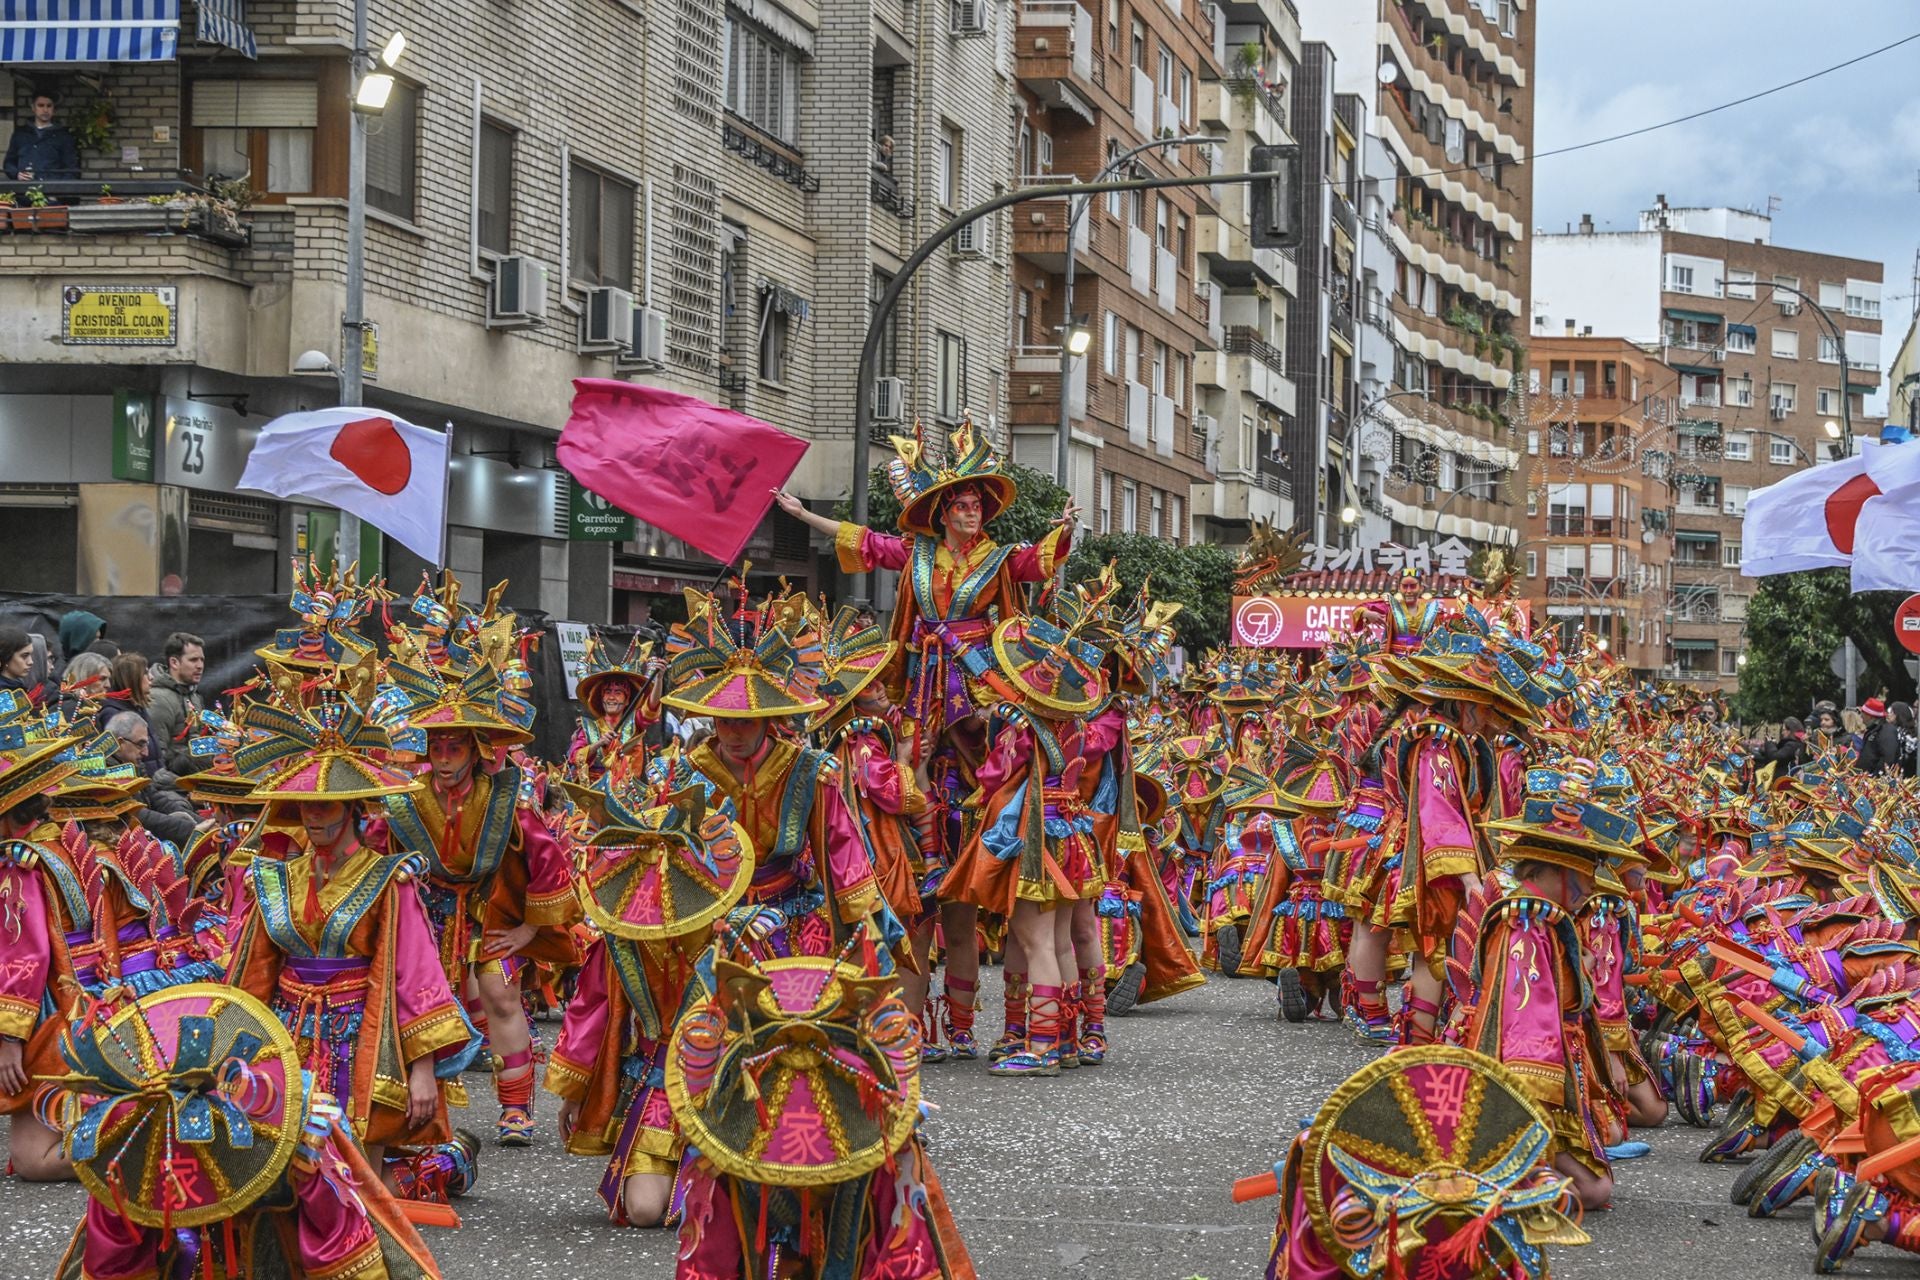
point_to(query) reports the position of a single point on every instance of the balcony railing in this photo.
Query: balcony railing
(888, 195)
(137, 206)
(1242, 340)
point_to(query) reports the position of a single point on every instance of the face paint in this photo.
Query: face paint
(326, 822)
(450, 754)
(740, 739)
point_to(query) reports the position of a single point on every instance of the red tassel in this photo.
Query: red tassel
(760, 1234)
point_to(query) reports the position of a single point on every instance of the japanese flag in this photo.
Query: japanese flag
(367, 463)
(1886, 549)
(1806, 521)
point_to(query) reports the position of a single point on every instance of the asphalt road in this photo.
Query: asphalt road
(1119, 1172)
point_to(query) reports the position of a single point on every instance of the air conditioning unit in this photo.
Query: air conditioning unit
(1777, 410)
(1791, 307)
(607, 322)
(971, 242)
(649, 349)
(1429, 494)
(518, 296)
(1718, 353)
(889, 399)
(970, 17)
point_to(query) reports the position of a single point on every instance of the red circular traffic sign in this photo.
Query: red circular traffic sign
(1906, 624)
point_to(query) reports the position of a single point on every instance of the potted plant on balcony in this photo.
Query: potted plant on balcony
(40, 214)
(106, 196)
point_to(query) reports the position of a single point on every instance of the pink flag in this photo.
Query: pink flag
(704, 474)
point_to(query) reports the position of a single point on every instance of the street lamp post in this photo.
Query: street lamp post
(1077, 207)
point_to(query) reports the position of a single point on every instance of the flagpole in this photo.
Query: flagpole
(446, 502)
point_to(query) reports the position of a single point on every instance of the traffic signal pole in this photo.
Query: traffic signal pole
(1275, 226)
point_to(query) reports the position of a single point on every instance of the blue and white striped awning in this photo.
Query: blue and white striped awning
(225, 22)
(88, 30)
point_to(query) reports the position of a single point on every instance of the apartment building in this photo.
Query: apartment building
(1443, 271)
(1248, 403)
(708, 199)
(1096, 80)
(1773, 352)
(1598, 544)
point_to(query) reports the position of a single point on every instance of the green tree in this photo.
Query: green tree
(1035, 510)
(1795, 621)
(1198, 577)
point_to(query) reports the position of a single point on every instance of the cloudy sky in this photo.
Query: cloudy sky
(1842, 153)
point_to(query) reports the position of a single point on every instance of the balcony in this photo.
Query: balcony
(886, 193)
(138, 207)
(1034, 388)
(1239, 500)
(1040, 233)
(1244, 105)
(1247, 364)
(1222, 239)
(1056, 54)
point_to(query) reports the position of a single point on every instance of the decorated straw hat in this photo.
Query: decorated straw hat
(1432, 1162)
(1198, 764)
(328, 751)
(599, 666)
(852, 657)
(183, 1108)
(330, 607)
(762, 666)
(1248, 790)
(799, 1072)
(460, 697)
(1053, 667)
(1574, 815)
(921, 485)
(1243, 679)
(98, 791)
(656, 866)
(35, 758)
(1320, 783)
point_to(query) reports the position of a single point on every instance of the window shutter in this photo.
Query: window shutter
(256, 104)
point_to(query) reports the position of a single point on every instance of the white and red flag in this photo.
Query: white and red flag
(1862, 512)
(368, 463)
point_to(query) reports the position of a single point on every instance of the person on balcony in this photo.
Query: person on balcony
(42, 150)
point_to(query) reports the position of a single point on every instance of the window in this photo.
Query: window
(950, 376)
(1182, 239)
(495, 165)
(1533, 564)
(1178, 391)
(1736, 500)
(1733, 608)
(1829, 350)
(1106, 502)
(1110, 353)
(1740, 339)
(1780, 452)
(1116, 200)
(1186, 102)
(1178, 532)
(1139, 45)
(1154, 511)
(1682, 279)
(1740, 392)
(1827, 400)
(1833, 294)
(1533, 503)
(1129, 499)
(947, 160)
(1600, 560)
(1783, 396)
(1533, 437)
(1786, 301)
(393, 169)
(261, 130)
(762, 80)
(1863, 305)
(1730, 555)
(889, 357)
(1165, 82)
(1729, 662)
(775, 335)
(1740, 283)
(599, 228)
(1739, 447)
(1786, 344)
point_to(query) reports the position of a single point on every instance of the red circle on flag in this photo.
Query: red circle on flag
(1843, 510)
(373, 450)
(1906, 624)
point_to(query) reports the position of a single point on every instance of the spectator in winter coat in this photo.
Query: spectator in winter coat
(1788, 753)
(175, 699)
(16, 663)
(1901, 715)
(78, 632)
(167, 813)
(1879, 740)
(130, 687)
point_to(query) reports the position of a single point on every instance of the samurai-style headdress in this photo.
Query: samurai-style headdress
(455, 697)
(852, 657)
(34, 758)
(183, 1108)
(214, 739)
(1054, 663)
(330, 609)
(920, 484)
(1575, 815)
(796, 1073)
(598, 666)
(714, 670)
(327, 751)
